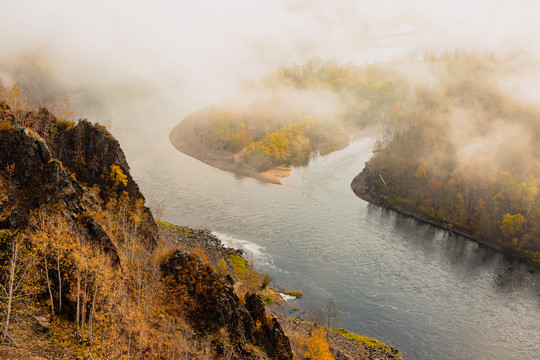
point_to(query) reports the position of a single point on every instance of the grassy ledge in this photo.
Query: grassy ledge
(368, 341)
(178, 229)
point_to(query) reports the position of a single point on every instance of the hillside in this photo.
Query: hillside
(463, 154)
(265, 127)
(87, 273)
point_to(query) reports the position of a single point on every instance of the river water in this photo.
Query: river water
(432, 295)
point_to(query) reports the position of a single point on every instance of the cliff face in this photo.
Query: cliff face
(40, 180)
(89, 151)
(83, 153)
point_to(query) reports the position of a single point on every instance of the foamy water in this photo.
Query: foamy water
(251, 250)
(287, 297)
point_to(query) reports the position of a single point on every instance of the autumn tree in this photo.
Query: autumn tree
(512, 225)
(317, 346)
(490, 191)
(19, 276)
(117, 176)
(55, 240)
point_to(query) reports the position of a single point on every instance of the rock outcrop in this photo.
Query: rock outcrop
(89, 151)
(40, 180)
(213, 305)
(61, 159)
(54, 164)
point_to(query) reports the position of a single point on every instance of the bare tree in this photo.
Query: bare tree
(316, 315)
(158, 212)
(332, 315)
(19, 276)
(13, 267)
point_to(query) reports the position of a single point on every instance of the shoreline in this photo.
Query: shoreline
(360, 188)
(342, 343)
(185, 139)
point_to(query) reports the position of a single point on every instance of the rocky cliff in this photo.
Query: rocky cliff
(217, 306)
(83, 152)
(105, 277)
(43, 180)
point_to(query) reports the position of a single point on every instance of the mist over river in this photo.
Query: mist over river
(142, 66)
(431, 295)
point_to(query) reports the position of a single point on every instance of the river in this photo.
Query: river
(432, 295)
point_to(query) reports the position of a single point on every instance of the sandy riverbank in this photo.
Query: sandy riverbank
(184, 138)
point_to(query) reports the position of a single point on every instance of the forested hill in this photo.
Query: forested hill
(286, 117)
(464, 154)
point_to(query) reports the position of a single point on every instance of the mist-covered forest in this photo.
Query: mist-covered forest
(286, 117)
(465, 151)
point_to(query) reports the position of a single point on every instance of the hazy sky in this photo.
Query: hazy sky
(187, 54)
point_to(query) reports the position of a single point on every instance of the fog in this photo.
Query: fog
(148, 64)
(142, 66)
(291, 102)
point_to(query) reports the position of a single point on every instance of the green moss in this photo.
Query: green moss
(373, 343)
(101, 128)
(179, 229)
(295, 293)
(302, 321)
(268, 299)
(239, 264)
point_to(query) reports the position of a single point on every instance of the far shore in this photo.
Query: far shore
(360, 188)
(185, 139)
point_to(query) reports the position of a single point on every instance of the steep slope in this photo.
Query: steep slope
(42, 180)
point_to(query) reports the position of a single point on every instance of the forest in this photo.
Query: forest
(296, 112)
(465, 151)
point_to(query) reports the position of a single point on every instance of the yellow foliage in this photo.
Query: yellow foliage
(420, 173)
(271, 128)
(198, 251)
(317, 346)
(118, 176)
(512, 224)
